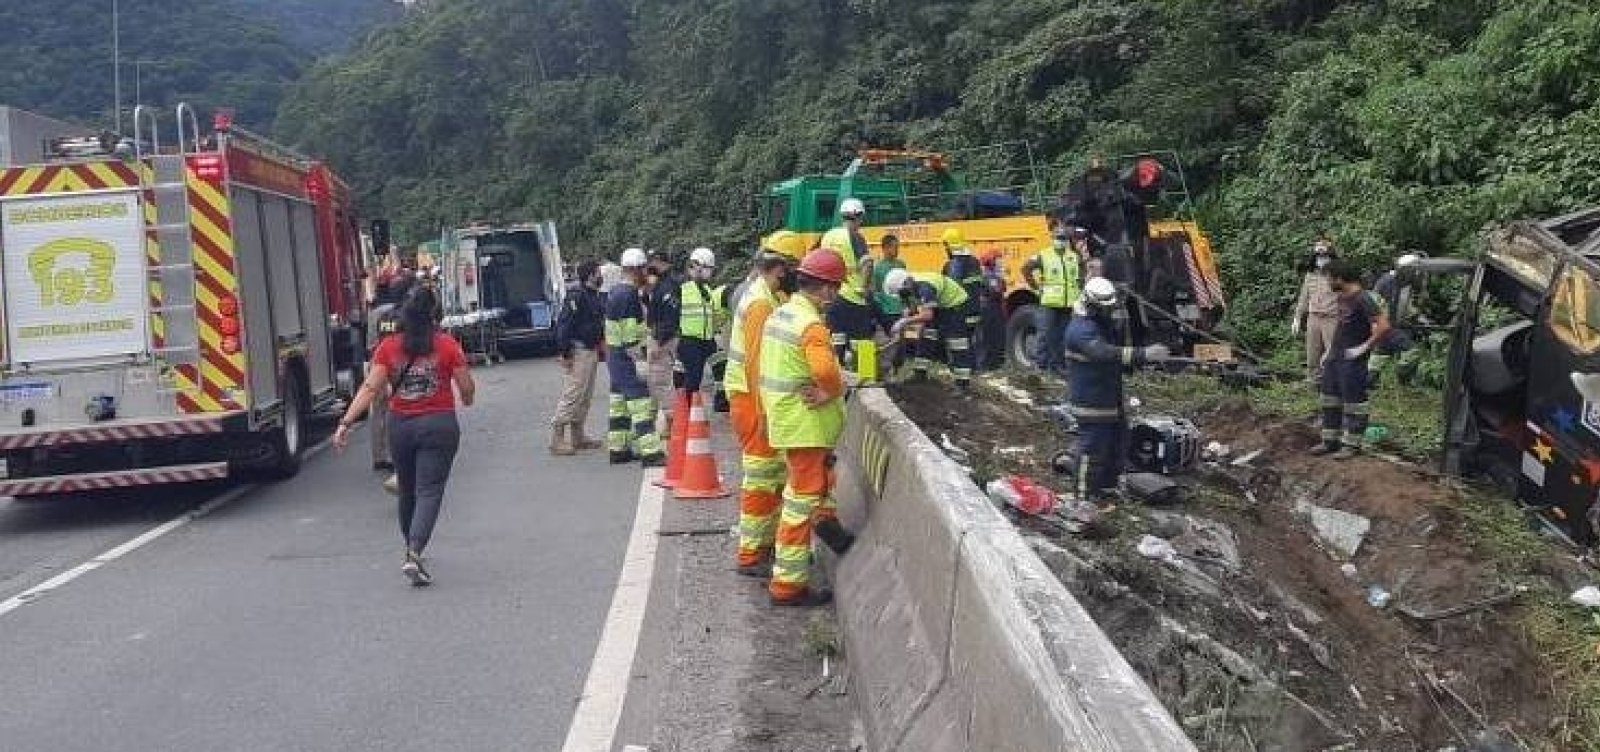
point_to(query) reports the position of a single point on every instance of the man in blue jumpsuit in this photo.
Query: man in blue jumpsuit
(1095, 388)
(631, 433)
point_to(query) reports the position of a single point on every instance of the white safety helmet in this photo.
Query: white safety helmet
(634, 258)
(852, 207)
(1409, 259)
(895, 281)
(1100, 292)
(703, 257)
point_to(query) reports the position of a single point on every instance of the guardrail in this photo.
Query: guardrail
(959, 637)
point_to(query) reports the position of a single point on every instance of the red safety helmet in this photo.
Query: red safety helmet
(823, 264)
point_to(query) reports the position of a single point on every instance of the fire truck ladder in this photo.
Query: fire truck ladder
(172, 272)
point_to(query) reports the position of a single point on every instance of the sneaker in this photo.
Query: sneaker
(423, 578)
(808, 598)
(621, 458)
(382, 466)
(413, 571)
(392, 484)
(1323, 449)
(654, 460)
(1347, 453)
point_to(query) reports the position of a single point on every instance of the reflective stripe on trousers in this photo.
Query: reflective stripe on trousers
(764, 473)
(805, 500)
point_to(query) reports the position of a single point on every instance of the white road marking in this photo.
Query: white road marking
(143, 539)
(594, 723)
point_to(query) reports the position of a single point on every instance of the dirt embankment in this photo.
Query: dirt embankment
(1265, 631)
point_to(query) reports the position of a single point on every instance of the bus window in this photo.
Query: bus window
(1575, 311)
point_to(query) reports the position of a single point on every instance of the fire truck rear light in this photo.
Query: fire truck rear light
(228, 326)
(228, 306)
(230, 345)
(209, 167)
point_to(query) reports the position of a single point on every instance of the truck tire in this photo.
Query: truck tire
(288, 440)
(1022, 335)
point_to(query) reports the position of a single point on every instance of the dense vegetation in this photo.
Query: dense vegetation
(212, 53)
(323, 27)
(1391, 124)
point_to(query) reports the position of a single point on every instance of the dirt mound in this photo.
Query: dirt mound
(1296, 644)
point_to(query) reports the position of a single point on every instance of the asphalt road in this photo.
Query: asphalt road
(280, 620)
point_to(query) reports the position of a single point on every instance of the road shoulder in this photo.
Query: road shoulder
(718, 669)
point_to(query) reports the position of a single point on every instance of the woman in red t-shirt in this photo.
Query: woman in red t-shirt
(417, 370)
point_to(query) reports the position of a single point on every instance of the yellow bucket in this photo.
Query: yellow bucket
(866, 352)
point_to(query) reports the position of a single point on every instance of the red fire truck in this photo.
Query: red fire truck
(172, 314)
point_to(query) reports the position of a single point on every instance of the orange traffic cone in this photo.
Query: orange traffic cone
(700, 478)
(680, 437)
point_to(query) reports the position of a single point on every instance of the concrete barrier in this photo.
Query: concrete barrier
(959, 637)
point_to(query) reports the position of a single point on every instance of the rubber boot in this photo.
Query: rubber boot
(830, 532)
(560, 445)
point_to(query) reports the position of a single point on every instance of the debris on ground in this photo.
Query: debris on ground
(1245, 606)
(1022, 494)
(1151, 547)
(1337, 530)
(1153, 489)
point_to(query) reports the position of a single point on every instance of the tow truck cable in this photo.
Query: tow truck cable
(1252, 359)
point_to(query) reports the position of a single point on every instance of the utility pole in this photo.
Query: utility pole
(138, 79)
(116, 63)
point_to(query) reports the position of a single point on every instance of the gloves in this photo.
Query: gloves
(1157, 353)
(1295, 326)
(1356, 352)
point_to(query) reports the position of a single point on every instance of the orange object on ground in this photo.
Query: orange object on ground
(680, 437)
(700, 478)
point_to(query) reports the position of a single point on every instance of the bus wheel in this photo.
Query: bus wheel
(1022, 336)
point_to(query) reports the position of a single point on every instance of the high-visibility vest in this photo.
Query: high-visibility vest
(952, 296)
(696, 311)
(838, 240)
(784, 372)
(733, 381)
(622, 334)
(1059, 268)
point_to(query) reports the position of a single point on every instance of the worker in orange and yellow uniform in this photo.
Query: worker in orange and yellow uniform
(802, 394)
(763, 469)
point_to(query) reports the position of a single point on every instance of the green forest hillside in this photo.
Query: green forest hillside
(1393, 124)
(242, 54)
(323, 27)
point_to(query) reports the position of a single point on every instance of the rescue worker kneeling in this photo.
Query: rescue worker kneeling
(939, 305)
(631, 433)
(802, 393)
(1095, 388)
